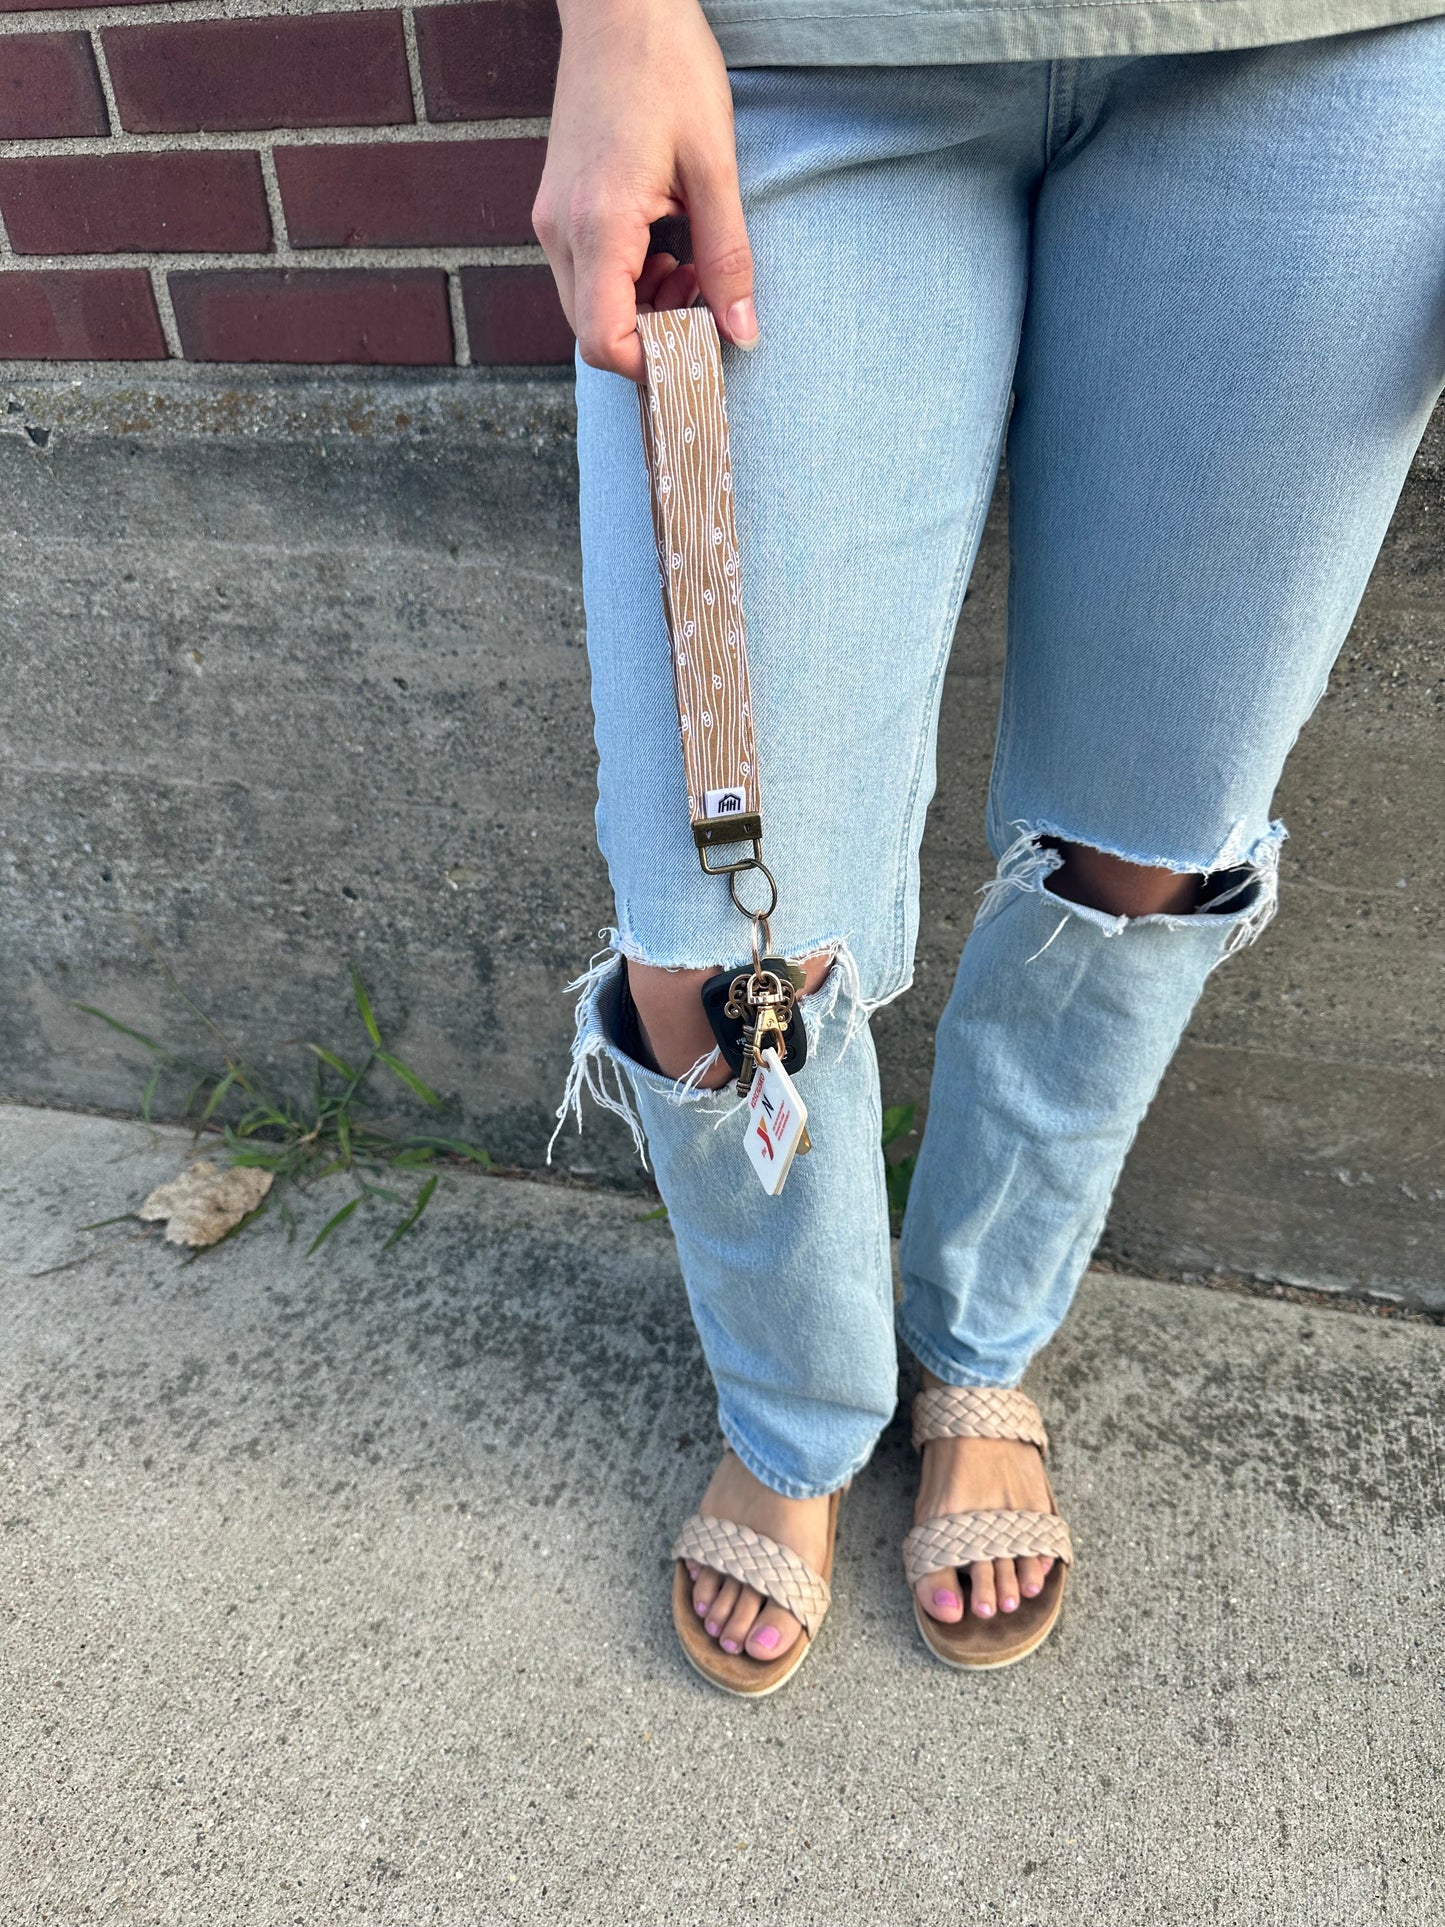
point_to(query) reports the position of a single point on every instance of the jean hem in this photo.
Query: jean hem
(776, 1481)
(942, 1366)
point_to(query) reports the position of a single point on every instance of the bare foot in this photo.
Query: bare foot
(739, 1619)
(975, 1475)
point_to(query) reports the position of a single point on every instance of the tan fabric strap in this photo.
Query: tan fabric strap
(962, 1537)
(685, 437)
(977, 1412)
(757, 1561)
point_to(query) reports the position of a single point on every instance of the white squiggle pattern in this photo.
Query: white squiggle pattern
(684, 432)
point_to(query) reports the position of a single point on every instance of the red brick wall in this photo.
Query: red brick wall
(348, 183)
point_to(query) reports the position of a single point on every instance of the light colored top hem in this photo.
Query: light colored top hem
(872, 33)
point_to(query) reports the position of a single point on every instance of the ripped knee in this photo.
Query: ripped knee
(1235, 893)
(671, 1046)
(661, 1012)
(1106, 882)
(660, 1022)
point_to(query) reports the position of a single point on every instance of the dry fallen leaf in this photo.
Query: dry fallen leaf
(204, 1203)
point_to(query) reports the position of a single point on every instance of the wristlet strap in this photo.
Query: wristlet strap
(685, 436)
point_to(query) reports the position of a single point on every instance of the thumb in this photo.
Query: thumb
(720, 251)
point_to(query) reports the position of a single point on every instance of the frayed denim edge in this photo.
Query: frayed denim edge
(592, 1049)
(1025, 865)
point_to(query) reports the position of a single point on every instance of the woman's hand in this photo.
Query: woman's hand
(642, 127)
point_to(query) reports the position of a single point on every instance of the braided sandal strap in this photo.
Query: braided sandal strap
(959, 1538)
(757, 1561)
(977, 1412)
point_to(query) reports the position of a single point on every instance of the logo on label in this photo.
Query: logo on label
(729, 802)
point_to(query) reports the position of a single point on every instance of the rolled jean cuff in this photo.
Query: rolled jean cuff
(944, 1367)
(820, 1486)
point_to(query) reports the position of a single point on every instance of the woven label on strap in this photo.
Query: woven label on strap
(685, 435)
(962, 1537)
(757, 1561)
(977, 1412)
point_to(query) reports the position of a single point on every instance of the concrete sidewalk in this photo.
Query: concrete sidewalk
(335, 1591)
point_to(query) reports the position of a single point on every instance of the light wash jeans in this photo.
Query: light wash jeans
(1215, 286)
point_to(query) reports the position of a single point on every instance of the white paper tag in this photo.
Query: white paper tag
(776, 1117)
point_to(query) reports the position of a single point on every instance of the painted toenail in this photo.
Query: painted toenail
(1029, 1591)
(766, 1637)
(1009, 1604)
(712, 1628)
(700, 1610)
(984, 1612)
(729, 1645)
(948, 1600)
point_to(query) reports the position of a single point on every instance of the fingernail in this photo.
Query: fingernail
(729, 1645)
(948, 1600)
(712, 1628)
(766, 1637)
(742, 323)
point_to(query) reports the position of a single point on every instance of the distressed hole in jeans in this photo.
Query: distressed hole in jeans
(1238, 885)
(604, 1070)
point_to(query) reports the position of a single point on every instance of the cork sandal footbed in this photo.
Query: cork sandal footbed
(736, 1673)
(960, 1539)
(978, 1645)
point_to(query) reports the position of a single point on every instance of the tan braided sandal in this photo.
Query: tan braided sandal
(959, 1538)
(769, 1568)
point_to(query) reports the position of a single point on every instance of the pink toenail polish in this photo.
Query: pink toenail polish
(766, 1637)
(700, 1610)
(712, 1628)
(1009, 1605)
(729, 1645)
(948, 1600)
(1029, 1591)
(984, 1612)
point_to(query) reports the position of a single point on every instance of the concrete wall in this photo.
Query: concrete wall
(292, 671)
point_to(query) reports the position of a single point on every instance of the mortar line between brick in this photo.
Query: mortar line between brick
(461, 334)
(280, 238)
(167, 12)
(90, 145)
(413, 64)
(107, 88)
(293, 257)
(170, 327)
